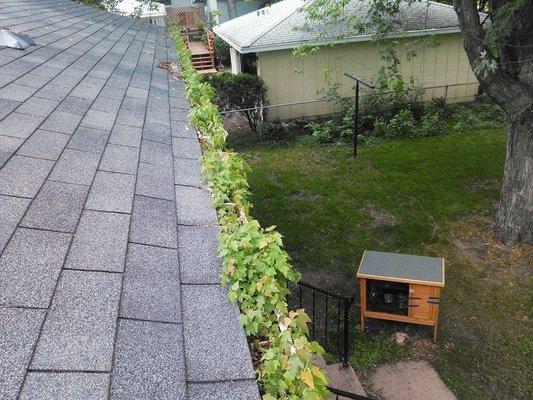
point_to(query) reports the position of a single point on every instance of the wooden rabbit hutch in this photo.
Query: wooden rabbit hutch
(400, 287)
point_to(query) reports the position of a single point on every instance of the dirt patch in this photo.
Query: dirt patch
(475, 240)
(379, 217)
(298, 196)
(409, 380)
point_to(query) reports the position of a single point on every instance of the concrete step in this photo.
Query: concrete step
(343, 378)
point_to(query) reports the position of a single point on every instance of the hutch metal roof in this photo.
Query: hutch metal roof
(283, 25)
(402, 268)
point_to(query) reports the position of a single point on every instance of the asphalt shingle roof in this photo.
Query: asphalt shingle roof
(283, 25)
(109, 279)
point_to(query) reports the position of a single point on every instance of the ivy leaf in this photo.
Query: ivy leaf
(307, 377)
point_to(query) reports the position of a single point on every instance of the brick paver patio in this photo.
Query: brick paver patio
(109, 280)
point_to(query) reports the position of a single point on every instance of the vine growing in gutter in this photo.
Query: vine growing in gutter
(255, 267)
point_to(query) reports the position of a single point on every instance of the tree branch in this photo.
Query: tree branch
(508, 91)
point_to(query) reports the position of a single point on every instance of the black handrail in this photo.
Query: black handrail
(342, 307)
(348, 395)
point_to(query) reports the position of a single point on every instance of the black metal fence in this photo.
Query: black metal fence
(330, 318)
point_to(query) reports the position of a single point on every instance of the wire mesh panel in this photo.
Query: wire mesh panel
(297, 114)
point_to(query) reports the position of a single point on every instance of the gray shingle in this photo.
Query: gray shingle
(199, 262)
(148, 362)
(23, 176)
(74, 105)
(86, 92)
(65, 386)
(183, 130)
(157, 132)
(229, 390)
(178, 114)
(75, 166)
(111, 192)
(8, 146)
(188, 172)
(79, 332)
(88, 139)
(60, 121)
(30, 265)
(130, 117)
(11, 211)
(156, 153)
(137, 93)
(155, 181)
(209, 358)
(57, 207)
(186, 148)
(194, 206)
(134, 103)
(19, 125)
(106, 104)
(19, 329)
(121, 159)
(153, 222)
(44, 144)
(99, 120)
(38, 106)
(151, 288)
(126, 135)
(16, 92)
(100, 242)
(6, 106)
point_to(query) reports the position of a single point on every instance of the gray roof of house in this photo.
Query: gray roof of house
(109, 276)
(283, 25)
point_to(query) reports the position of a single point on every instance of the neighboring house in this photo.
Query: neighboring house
(263, 42)
(218, 10)
(153, 12)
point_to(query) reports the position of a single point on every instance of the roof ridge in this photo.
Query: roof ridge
(278, 23)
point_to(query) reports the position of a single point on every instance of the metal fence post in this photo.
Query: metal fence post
(356, 119)
(446, 95)
(346, 344)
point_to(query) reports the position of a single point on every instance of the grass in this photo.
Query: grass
(433, 196)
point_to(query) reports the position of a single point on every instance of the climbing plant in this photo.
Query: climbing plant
(255, 267)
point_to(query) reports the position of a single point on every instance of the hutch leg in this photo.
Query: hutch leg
(362, 308)
(435, 332)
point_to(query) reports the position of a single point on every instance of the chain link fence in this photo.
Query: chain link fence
(302, 112)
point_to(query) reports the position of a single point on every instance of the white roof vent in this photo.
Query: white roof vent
(15, 40)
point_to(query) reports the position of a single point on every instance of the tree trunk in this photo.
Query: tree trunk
(514, 222)
(510, 86)
(232, 8)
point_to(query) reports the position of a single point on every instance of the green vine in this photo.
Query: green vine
(255, 267)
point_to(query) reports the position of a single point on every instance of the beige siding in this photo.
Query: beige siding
(445, 64)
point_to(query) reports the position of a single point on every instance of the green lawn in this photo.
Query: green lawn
(433, 196)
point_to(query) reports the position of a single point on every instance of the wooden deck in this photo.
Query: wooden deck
(198, 48)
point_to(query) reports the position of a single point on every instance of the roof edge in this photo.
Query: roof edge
(354, 39)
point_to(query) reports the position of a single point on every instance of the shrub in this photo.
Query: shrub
(401, 125)
(386, 103)
(240, 91)
(222, 52)
(322, 132)
(431, 124)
